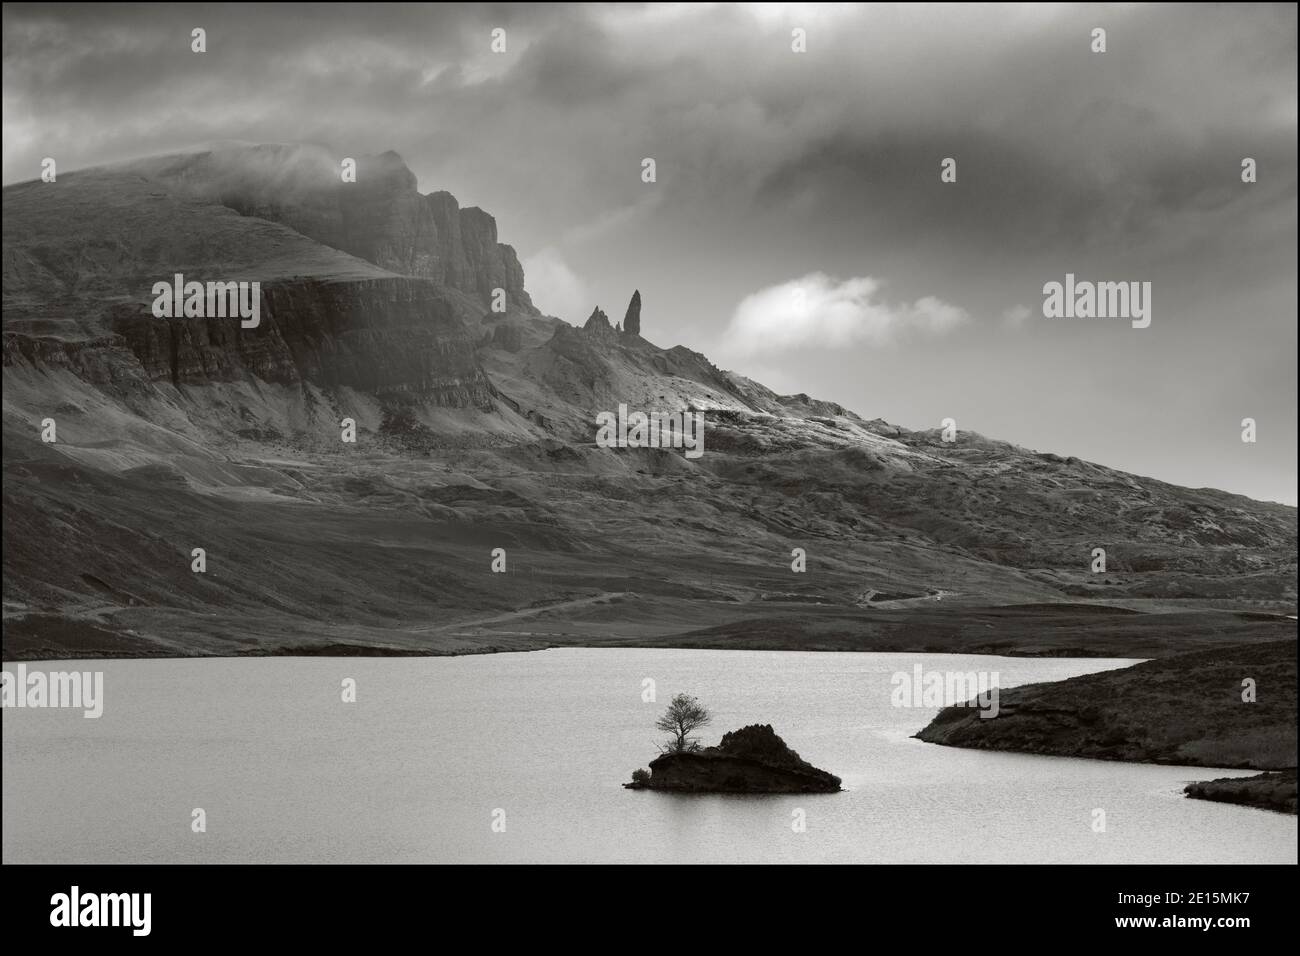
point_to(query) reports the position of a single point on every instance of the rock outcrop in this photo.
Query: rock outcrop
(597, 324)
(381, 217)
(378, 335)
(750, 760)
(632, 320)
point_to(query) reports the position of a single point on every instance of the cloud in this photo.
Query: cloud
(818, 311)
(1015, 316)
(738, 123)
(610, 222)
(554, 287)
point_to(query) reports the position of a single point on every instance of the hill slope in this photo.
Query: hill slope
(475, 431)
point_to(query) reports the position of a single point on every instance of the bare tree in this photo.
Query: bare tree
(684, 715)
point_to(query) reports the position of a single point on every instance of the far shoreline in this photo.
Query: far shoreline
(1015, 630)
(361, 651)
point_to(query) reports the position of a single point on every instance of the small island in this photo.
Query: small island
(752, 759)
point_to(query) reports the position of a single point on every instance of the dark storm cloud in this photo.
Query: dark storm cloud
(1064, 145)
(1102, 158)
(817, 170)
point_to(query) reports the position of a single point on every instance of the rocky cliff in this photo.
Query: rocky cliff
(377, 335)
(632, 318)
(597, 324)
(381, 217)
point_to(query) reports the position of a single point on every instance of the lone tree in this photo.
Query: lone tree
(684, 715)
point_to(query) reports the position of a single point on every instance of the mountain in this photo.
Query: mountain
(380, 217)
(475, 430)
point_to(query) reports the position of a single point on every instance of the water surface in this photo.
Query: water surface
(415, 769)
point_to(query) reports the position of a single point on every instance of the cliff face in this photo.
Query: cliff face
(104, 362)
(329, 316)
(377, 335)
(386, 221)
(381, 217)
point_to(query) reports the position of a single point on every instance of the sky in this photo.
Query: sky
(798, 229)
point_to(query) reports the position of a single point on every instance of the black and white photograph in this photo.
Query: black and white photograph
(650, 434)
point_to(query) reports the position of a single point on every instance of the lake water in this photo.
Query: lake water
(416, 768)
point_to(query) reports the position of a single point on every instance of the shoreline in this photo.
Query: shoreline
(1274, 791)
(1016, 630)
(1185, 710)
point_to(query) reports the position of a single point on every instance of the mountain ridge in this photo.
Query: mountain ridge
(477, 427)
